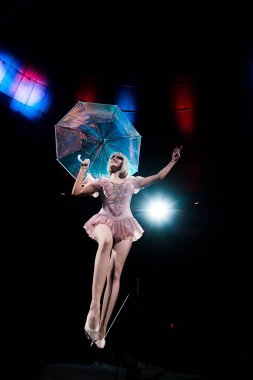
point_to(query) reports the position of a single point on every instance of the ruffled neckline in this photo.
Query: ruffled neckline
(117, 183)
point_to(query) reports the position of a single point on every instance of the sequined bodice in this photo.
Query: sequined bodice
(116, 197)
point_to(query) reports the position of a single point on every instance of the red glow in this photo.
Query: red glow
(88, 92)
(186, 120)
(33, 74)
(183, 102)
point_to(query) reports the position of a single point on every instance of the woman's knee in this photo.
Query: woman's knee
(106, 242)
(116, 274)
(103, 236)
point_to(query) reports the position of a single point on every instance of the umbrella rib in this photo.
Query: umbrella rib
(122, 137)
(103, 147)
(116, 107)
(93, 122)
(89, 134)
(98, 152)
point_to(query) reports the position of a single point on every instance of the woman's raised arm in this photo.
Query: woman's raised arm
(147, 181)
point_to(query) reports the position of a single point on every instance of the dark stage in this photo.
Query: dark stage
(188, 311)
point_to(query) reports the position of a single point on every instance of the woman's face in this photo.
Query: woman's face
(115, 162)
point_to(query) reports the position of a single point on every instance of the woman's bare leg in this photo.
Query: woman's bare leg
(103, 236)
(118, 257)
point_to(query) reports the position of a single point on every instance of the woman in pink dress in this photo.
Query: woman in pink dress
(114, 229)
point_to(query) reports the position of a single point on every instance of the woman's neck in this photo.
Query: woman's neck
(114, 177)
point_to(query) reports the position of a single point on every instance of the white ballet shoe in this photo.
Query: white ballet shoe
(100, 343)
(91, 334)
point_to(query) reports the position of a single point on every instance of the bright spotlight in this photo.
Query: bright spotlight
(159, 210)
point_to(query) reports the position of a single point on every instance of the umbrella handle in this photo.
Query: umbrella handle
(79, 159)
(83, 162)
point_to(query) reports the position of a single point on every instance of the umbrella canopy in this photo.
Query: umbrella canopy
(95, 131)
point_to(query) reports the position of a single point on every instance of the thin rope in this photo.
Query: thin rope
(114, 318)
(117, 315)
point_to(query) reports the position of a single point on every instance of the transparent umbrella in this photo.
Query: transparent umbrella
(95, 131)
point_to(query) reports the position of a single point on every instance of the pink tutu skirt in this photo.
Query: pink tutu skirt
(120, 228)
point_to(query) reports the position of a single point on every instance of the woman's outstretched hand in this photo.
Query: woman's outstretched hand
(86, 163)
(176, 153)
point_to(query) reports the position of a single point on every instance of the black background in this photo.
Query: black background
(194, 273)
